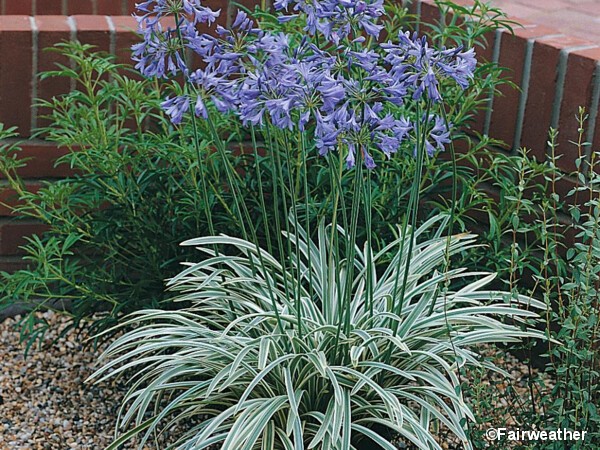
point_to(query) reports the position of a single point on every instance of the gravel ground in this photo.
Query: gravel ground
(45, 404)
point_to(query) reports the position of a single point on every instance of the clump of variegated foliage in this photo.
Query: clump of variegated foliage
(245, 372)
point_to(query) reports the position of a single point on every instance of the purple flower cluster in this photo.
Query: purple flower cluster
(336, 19)
(355, 99)
(160, 52)
(423, 66)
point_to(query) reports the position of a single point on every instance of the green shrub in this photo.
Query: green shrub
(116, 224)
(549, 242)
(568, 280)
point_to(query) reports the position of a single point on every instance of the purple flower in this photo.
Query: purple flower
(350, 158)
(429, 83)
(154, 10)
(459, 65)
(369, 161)
(242, 22)
(200, 108)
(390, 133)
(440, 135)
(335, 19)
(158, 54)
(368, 60)
(332, 93)
(176, 107)
(326, 135)
(201, 14)
(420, 68)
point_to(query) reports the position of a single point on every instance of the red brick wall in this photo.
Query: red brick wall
(556, 74)
(67, 7)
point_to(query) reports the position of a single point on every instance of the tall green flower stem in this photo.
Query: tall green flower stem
(413, 205)
(200, 159)
(261, 193)
(351, 241)
(232, 178)
(345, 293)
(448, 255)
(294, 196)
(304, 150)
(333, 255)
(411, 216)
(278, 190)
(279, 144)
(369, 261)
(243, 212)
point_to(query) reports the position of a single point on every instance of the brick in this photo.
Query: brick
(16, 43)
(80, 7)
(485, 51)
(51, 30)
(465, 3)
(571, 22)
(430, 15)
(578, 88)
(540, 100)
(93, 30)
(517, 11)
(512, 56)
(410, 5)
(14, 7)
(13, 235)
(50, 7)
(565, 41)
(41, 161)
(9, 198)
(129, 6)
(592, 8)
(550, 5)
(125, 36)
(506, 103)
(484, 55)
(592, 56)
(110, 8)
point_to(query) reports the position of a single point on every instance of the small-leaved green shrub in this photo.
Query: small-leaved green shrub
(115, 224)
(550, 248)
(568, 279)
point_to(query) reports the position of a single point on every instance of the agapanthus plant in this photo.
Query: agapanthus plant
(338, 91)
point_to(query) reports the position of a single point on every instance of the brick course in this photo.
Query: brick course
(68, 7)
